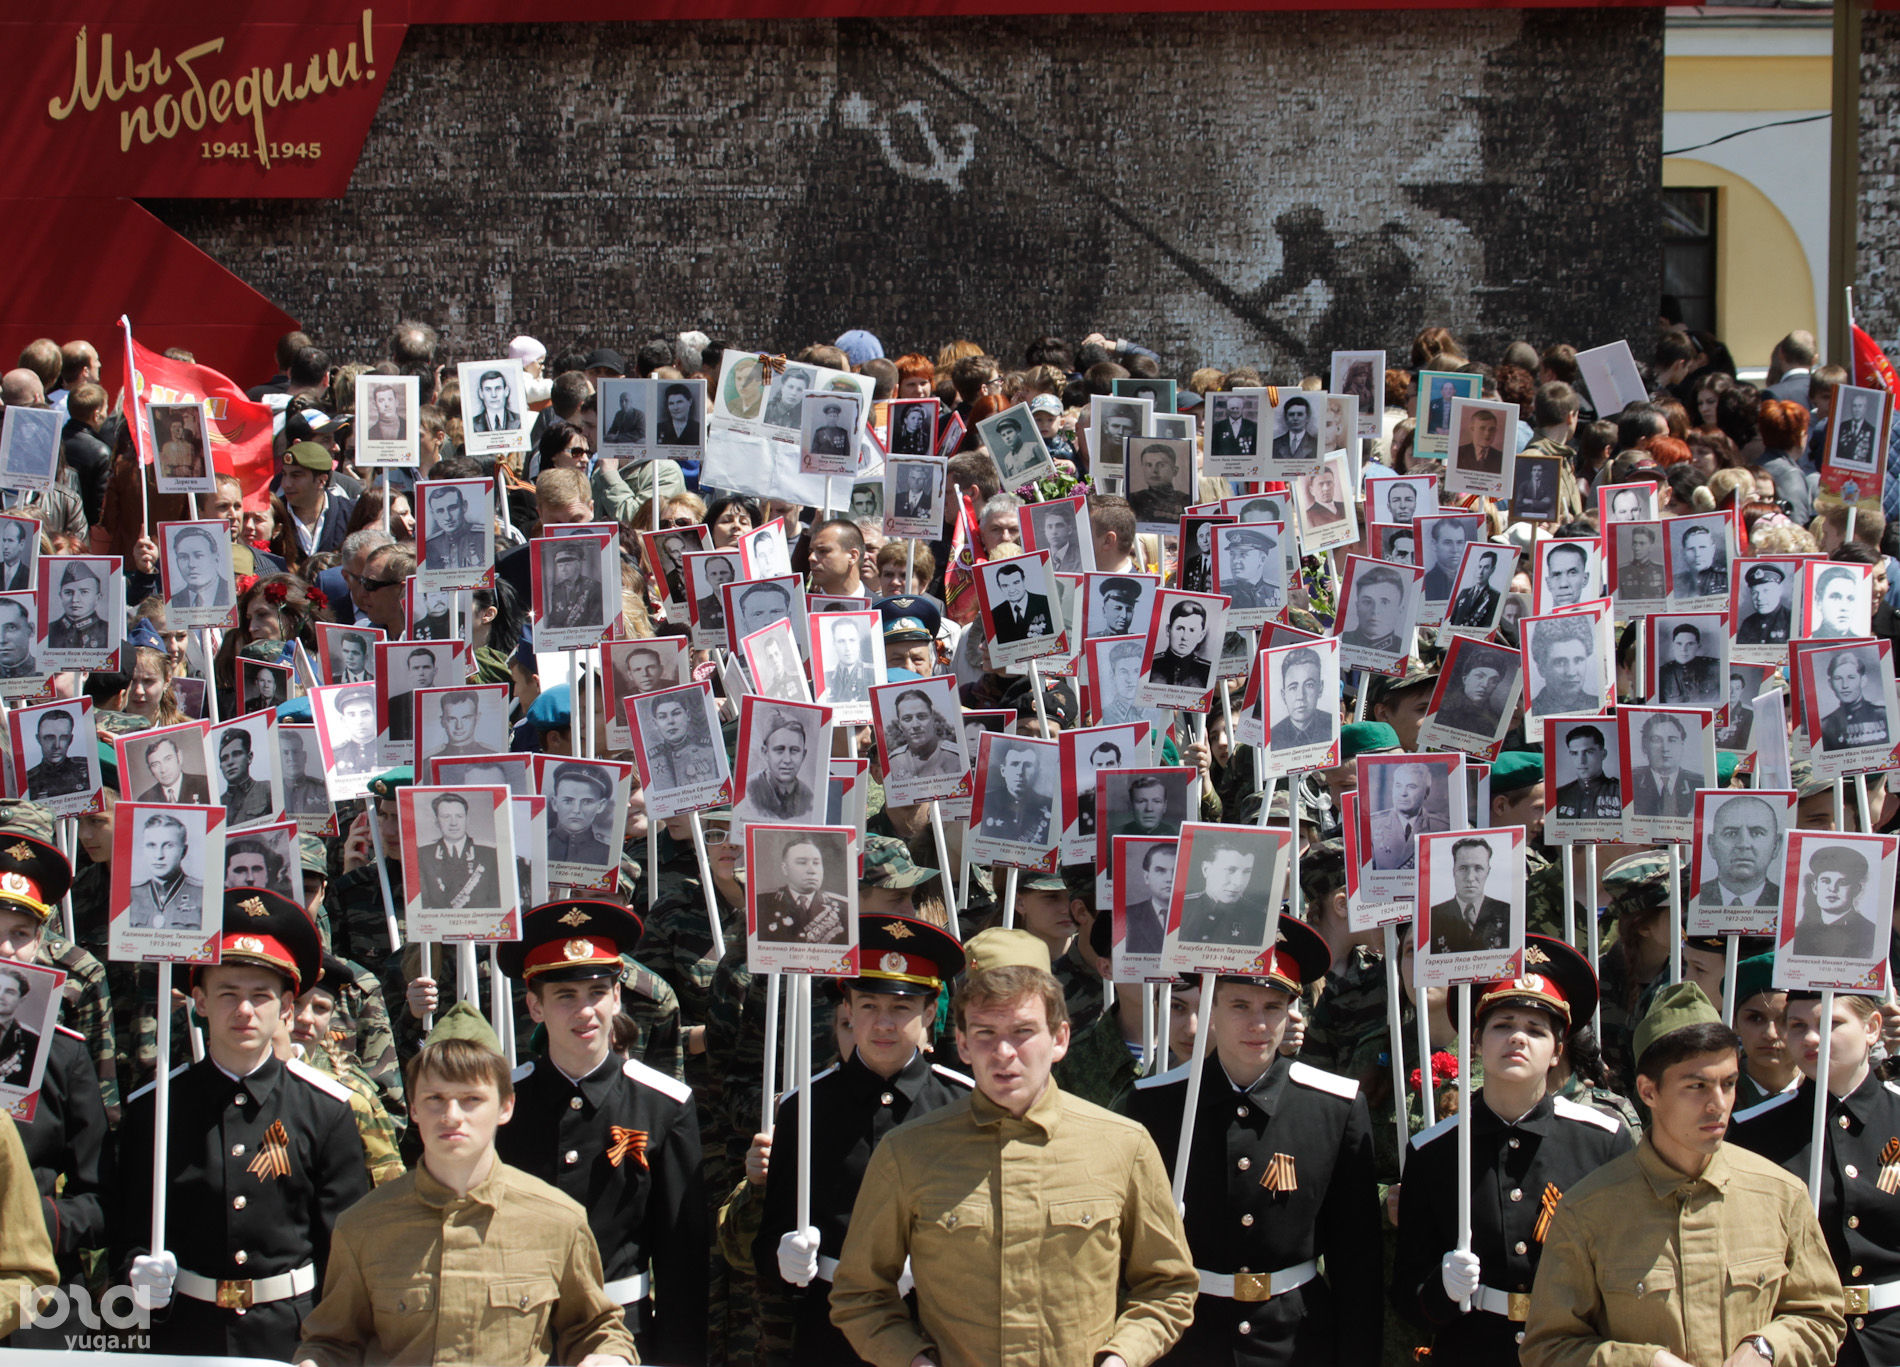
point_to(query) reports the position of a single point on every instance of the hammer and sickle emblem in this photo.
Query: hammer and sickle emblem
(859, 113)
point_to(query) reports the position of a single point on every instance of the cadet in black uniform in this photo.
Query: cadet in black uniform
(1280, 1176)
(886, 1079)
(1528, 1147)
(1860, 1173)
(264, 1155)
(617, 1136)
(66, 1140)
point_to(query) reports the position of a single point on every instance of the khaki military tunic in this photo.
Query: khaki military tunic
(26, 1254)
(1641, 1257)
(508, 1274)
(1040, 1242)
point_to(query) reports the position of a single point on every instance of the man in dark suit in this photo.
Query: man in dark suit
(456, 872)
(1148, 919)
(170, 782)
(1859, 440)
(801, 911)
(16, 560)
(1470, 921)
(1477, 604)
(1231, 433)
(1448, 538)
(1665, 788)
(1021, 614)
(677, 425)
(1305, 722)
(197, 559)
(1745, 840)
(1832, 925)
(629, 425)
(1438, 414)
(913, 490)
(496, 413)
(1481, 455)
(1299, 442)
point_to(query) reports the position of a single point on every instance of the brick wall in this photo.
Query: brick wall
(1227, 188)
(1877, 289)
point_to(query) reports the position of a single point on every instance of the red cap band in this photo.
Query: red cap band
(571, 952)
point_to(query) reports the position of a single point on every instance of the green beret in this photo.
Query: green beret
(1365, 738)
(1677, 1007)
(1515, 770)
(463, 1021)
(1726, 763)
(1754, 975)
(385, 785)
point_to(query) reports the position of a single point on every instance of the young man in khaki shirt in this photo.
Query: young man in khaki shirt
(464, 1259)
(1040, 1228)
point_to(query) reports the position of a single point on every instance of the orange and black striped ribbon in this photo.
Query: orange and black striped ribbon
(1550, 1199)
(273, 1155)
(626, 1141)
(1279, 1175)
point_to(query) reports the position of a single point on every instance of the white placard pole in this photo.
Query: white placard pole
(1817, 1138)
(162, 1109)
(1464, 1126)
(803, 1193)
(1422, 1018)
(1731, 961)
(1197, 1065)
(943, 864)
(705, 880)
(1590, 928)
(1009, 900)
(774, 983)
(1395, 1039)
(1675, 913)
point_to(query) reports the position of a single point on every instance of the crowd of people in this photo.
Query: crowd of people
(584, 1146)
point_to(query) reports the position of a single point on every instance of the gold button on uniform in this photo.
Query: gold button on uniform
(1247, 1221)
(1853, 1222)
(1517, 1193)
(240, 1257)
(1241, 1111)
(238, 1204)
(1521, 1247)
(1246, 1163)
(1843, 1122)
(573, 1103)
(1244, 1327)
(1513, 1143)
(237, 1151)
(240, 1099)
(1856, 1271)
(570, 1157)
(885, 1099)
(1851, 1170)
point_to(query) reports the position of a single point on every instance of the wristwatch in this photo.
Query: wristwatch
(1761, 1346)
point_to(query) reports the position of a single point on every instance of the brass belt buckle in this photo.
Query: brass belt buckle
(1857, 1298)
(234, 1295)
(1253, 1286)
(1519, 1309)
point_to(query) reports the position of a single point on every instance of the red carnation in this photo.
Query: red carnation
(316, 597)
(246, 582)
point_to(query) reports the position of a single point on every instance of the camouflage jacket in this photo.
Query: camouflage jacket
(1346, 1033)
(353, 904)
(86, 1007)
(1099, 1066)
(361, 1026)
(1605, 1100)
(382, 1136)
(677, 944)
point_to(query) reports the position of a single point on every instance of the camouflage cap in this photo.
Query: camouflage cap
(1638, 883)
(1314, 805)
(1417, 673)
(26, 818)
(463, 1021)
(1042, 882)
(1801, 778)
(887, 864)
(1322, 872)
(1677, 1007)
(270, 650)
(316, 855)
(1001, 948)
(110, 723)
(385, 785)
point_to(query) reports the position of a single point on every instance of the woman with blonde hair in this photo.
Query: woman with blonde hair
(148, 690)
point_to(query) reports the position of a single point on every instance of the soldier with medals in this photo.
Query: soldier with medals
(1767, 622)
(1641, 577)
(1590, 796)
(356, 752)
(456, 872)
(679, 754)
(619, 1137)
(885, 1078)
(574, 599)
(1859, 720)
(1688, 679)
(1702, 577)
(1528, 1147)
(1280, 1179)
(1860, 1165)
(1018, 812)
(450, 541)
(66, 1140)
(58, 773)
(263, 1155)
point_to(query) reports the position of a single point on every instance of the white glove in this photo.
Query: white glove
(152, 1278)
(798, 1256)
(1459, 1272)
(905, 1282)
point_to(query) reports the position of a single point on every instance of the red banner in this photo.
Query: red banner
(1872, 369)
(240, 430)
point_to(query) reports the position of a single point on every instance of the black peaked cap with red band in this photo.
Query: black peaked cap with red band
(904, 957)
(1299, 956)
(33, 875)
(1555, 977)
(571, 941)
(271, 931)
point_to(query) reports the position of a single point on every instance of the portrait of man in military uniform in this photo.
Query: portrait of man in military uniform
(1470, 919)
(913, 430)
(165, 896)
(830, 421)
(1117, 606)
(918, 740)
(704, 578)
(1417, 801)
(1160, 482)
(1836, 916)
(1378, 595)
(1250, 565)
(677, 743)
(1691, 676)
(1018, 797)
(19, 1042)
(81, 590)
(1181, 658)
(1298, 718)
(1233, 427)
(304, 793)
(1639, 569)
(454, 535)
(845, 657)
(573, 592)
(247, 799)
(1592, 792)
(579, 796)
(255, 861)
(1569, 672)
(781, 777)
(1860, 415)
(1223, 905)
(1477, 603)
(1701, 563)
(57, 772)
(456, 873)
(1859, 716)
(1663, 785)
(353, 731)
(1766, 616)
(458, 727)
(1475, 691)
(794, 904)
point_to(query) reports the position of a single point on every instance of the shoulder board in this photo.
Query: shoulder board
(524, 1072)
(151, 1085)
(1424, 1137)
(954, 1076)
(663, 1083)
(816, 1078)
(70, 1033)
(1763, 1107)
(1589, 1115)
(323, 1082)
(1893, 1087)
(1319, 1079)
(1163, 1079)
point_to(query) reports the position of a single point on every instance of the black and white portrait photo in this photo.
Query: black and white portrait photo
(1839, 600)
(301, 760)
(785, 400)
(1667, 755)
(1061, 527)
(21, 670)
(801, 887)
(1017, 598)
(262, 686)
(1688, 654)
(1394, 543)
(867, 500)
(169, 857)
(345, 717)
(1017, 800)
(1566, 573)
(1233, 434)
(245, 752)
(56, 750)
(1698, 560)
(1836, 911)
(459, 873)
(1400, 498)
(1152, 803)
(624, 428)
(1534, 488)
(1114, 423)
(920, 739)
(642, 665)
(1143, 880)
(1118, 604)
(1300, 695)
(29, 441)
(456, 534)
(1627, 503)
(828, 430)
(666, 553)
(1442, 540)
(914, 495)
(1296, 445)
(1585, 784)
(1471, 887)
(771, 658)
(347, 654)
(1761, 608)
(1194, 565)
(1081, 755)
(782, 748)
(1251, 571)
(678, 416)
(707, 572)
(1160, 482)
(1637, 575)
(1227, 884)
(677, 744)
(913, 427)
(572, 605)
(1378, 608)
(587, 815)
(1016, 445)
(754, 604)
(83, 626)
(1848, 703)
(1477, 690)
(1483, 447)
(494, 407)
(198, 573)
(165, 765)
(403, 667)
(386, 415)
(1402, 798)
(458, 719)
(1737, 864)
(184, 449)
(1858, 430)
(1567, 664)
(1362, 375)
(846, 659)
(1183, 649)
(19, 551)
(267, 857)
